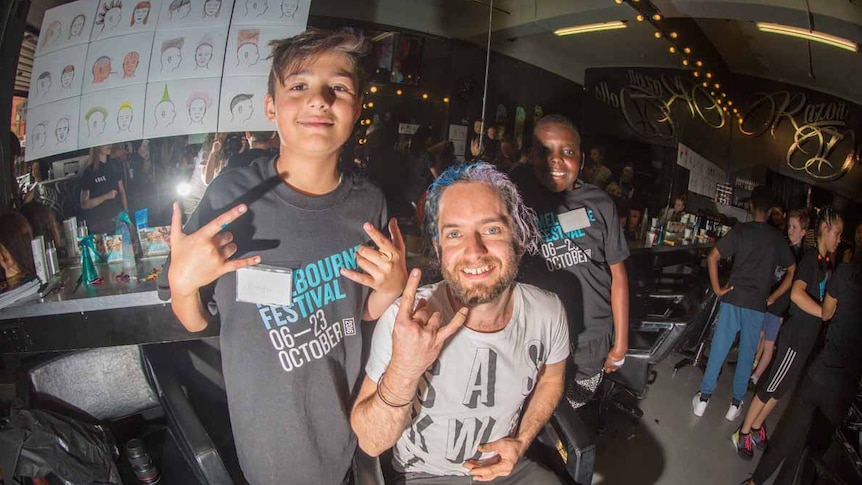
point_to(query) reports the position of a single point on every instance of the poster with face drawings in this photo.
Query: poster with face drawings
(52, 128)
(182, 13)
(120, 17)
(57, 75)
(181, 107)
(119, 61)
(188, 53)
(271, 12)
(248, 49)
(111, 116)
(66, 25)
(241, 107)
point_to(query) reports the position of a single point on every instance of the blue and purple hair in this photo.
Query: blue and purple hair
(522, 219)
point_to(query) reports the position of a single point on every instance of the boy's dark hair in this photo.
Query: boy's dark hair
(761, 198)
(293, 54)
(555, 119)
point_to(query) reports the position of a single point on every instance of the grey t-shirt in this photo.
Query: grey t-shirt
(757, 249)
(575, 264)
(291, 372)
(474, 393)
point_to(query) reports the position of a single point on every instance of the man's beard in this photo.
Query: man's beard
(483, 293)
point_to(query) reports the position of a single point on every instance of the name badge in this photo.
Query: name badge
(574, 219)
(265, 285)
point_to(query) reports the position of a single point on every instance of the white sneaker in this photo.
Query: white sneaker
(734, 411)
(698, 406)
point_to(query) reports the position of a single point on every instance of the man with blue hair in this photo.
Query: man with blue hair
(453, 399)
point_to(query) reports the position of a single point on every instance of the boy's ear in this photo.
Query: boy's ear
(269, 107)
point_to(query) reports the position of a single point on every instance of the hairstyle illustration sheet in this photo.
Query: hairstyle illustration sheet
(187, 53)
(52, 128)
(271, 12)
(121, 17)
(241, 107)
(111, 116)
(119, 61)
(181, 107)
(248, 49)
(67, 25)
(57, 75)
(193, 13)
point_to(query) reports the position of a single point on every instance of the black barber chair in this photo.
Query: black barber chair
(673, 319)
(194, 441)
(109, 386)
(564, 446)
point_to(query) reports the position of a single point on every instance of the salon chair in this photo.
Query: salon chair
(194, 441)
(108, 386)
(564, 446)
(674, 319)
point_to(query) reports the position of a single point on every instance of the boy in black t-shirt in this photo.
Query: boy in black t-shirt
(291, 367)
(797, 226)
(583, 253)
(798, 335)
(757, 249)
(829, 386)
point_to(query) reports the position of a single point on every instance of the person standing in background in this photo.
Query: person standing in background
(259, 145)
(103, 193)
(757, 249)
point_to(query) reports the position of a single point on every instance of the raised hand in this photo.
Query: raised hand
(418, 337)
(199, 258)
(385, 268)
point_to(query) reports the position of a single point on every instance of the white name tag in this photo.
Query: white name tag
(574, 219)
(265, 285)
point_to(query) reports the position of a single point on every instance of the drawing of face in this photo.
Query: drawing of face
(113, 16)
(130, 64)
(203, 55)
(124, 117)
(77, 26)
(211, 8)
(171, 58)
(247, 55)
(53, 34)
(180, 8)
(165, 113)
(241, 108)
(96, 123)
(101, 69)
(40, 135)
(289, 8)
(67, 76)
(43, 84)
(255, 8)
(197, 110)
(62, 130)
(141, 13)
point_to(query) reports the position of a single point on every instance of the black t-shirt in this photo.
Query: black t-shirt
(757, 249)
(100, 181)
(575, 264)
(782, 304)
(839, 364)
(802, 328)
(291, 372)
(245, 158)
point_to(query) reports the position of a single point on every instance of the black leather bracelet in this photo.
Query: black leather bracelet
(383, 399)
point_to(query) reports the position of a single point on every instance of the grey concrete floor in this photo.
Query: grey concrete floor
(670, 445)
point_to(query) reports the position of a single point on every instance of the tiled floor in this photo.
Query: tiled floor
(671, 446)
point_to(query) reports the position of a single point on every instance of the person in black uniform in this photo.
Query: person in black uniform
(103, 194)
